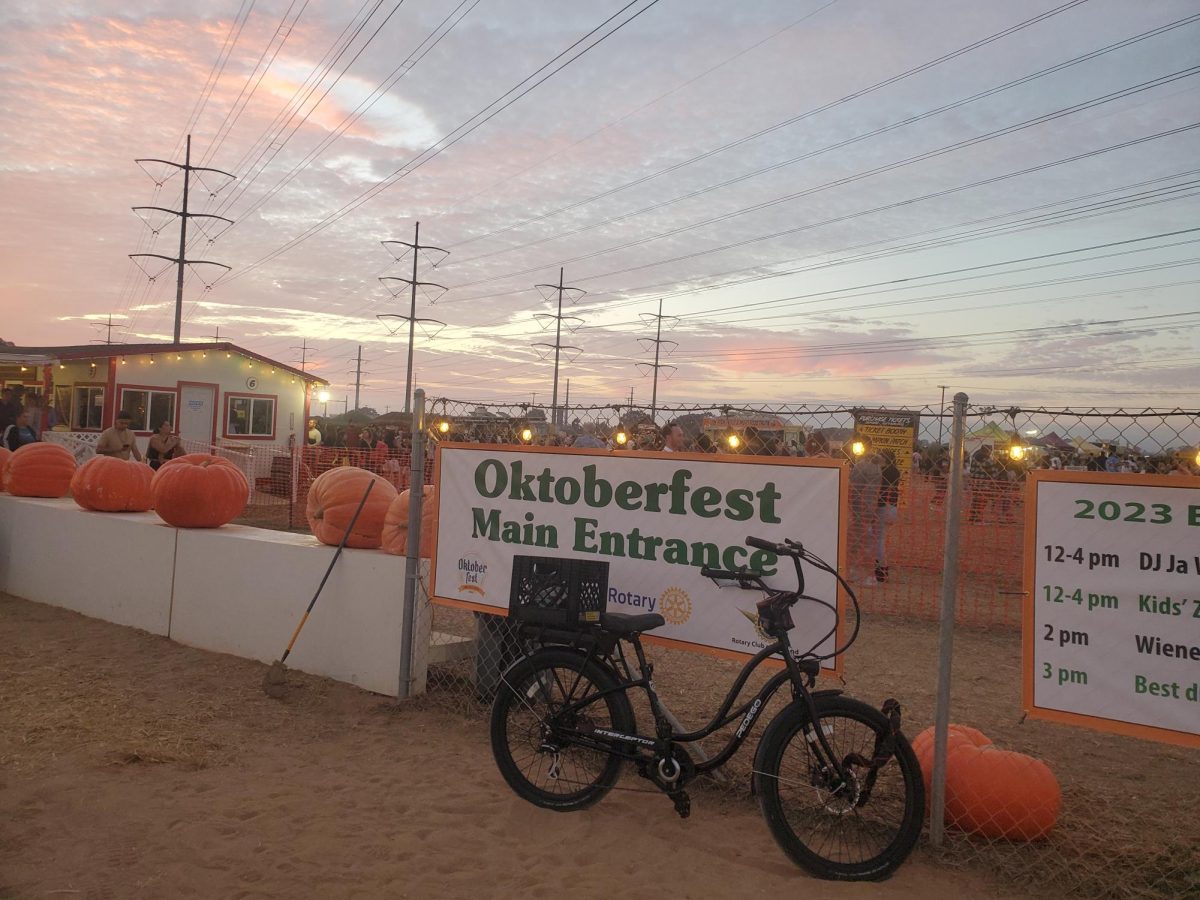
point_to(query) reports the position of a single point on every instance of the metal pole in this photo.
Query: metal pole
(557, 348)
(657, 347)
(954, 501)
(412, 319)
(941, 413)
(412, 562)
(183, 217)
(358, 376)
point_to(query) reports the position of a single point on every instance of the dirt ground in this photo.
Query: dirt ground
(133, 767)
(1120, 833)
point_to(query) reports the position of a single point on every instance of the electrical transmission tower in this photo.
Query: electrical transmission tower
(357, 371)
(184, 214)
(548, 292)
(657, 341)
(108, 327)
(430, 327)
(303, 350)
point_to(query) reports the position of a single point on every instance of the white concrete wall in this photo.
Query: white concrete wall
(113, 566)
(235, 589)
(243, 590)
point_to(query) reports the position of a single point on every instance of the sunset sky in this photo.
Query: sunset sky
(835, 200)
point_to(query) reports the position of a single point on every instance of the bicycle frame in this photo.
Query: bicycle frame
(615, 743)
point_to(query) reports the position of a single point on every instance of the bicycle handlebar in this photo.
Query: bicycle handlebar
(772, 547)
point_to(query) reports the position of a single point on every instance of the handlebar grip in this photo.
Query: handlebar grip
(769, 546)
(706, 572)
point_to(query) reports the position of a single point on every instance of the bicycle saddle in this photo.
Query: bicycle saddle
(625, 623)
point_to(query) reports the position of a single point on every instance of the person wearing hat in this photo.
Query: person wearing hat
(118, 440)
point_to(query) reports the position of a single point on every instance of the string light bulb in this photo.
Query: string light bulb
(526, 435)
(151, 359)
(858, 448)
(621, 438)
(444, 427)
(1016, 452)
(733, 441)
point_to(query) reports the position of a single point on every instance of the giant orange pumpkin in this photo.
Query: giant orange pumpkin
(108, 484)
(39, 470)
(1000, 794)
(922, 746)
(5, 453)
(199, 491)
(395, 524)
(334, 496)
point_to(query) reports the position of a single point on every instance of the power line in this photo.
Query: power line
(447, 141)
(839, 145)
(879, 85)
(239, 105)
(850, 179)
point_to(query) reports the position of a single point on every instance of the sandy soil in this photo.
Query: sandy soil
(134, 767)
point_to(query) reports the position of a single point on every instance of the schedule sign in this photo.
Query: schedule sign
(1112, 603)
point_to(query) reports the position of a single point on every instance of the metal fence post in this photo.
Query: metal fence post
(954, 503)
(412, 562)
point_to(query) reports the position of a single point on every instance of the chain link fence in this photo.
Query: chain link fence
(1126, 826)
(1116, 834)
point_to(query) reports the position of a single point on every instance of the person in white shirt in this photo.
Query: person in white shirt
(672, 436)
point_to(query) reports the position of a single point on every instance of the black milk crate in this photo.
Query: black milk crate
(563, 593)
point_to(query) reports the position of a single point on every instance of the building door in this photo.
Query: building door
(198, 413)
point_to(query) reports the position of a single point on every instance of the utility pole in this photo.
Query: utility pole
(184, 214)
(941, 413)
(573, 323)
(304, 348)
(108, 327)
(567, 403)
(658, 342)
(215, 337)
(358, 376)
(415, 248)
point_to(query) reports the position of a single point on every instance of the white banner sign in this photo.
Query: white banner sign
(1112, 616)
(656, 518)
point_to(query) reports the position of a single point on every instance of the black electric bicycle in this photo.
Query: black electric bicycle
(835, 778)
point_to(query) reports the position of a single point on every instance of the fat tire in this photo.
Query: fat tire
(522, 673)
(788, 726)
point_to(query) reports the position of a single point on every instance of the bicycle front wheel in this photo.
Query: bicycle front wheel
(860, 828)
(545, 705)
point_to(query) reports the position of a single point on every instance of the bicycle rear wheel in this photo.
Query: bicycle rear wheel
(543, 702)
(858, 830)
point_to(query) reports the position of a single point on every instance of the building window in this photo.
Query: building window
(88, 412)
(251, 416)
(148, 408)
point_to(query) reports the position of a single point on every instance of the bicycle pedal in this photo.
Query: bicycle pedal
(683, 803)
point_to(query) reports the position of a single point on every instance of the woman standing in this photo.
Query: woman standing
(163, 445)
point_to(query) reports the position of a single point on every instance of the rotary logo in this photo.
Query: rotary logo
(752, 617)
(675, 605)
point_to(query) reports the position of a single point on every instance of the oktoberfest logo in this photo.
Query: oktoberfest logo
(471, 575)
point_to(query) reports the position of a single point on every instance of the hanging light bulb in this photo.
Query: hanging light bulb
(151, 359)
(733, 441)
(123, 360)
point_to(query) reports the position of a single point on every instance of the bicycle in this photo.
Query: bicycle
(827, 769)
